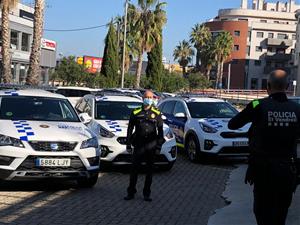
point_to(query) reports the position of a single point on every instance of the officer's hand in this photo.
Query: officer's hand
(129, 149)
(249, 178)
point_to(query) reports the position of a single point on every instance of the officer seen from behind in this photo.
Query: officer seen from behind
(147, 124)
(272, 141)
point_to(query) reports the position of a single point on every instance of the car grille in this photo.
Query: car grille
(45, 146)
(128, 158)
(29, 164)
(235, 150)
(122, 140)
(234, 135)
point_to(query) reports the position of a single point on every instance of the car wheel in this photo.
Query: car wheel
(168, 166)
(193, 148)
(88, 182)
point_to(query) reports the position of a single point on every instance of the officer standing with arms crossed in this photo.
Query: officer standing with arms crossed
(148, 137)
(272, 141)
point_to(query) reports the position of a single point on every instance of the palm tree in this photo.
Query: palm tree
(183, 53)
(208, 57)
(147, 20)
(223, 49)
(6, 6)
(34, 64)
(199, 37)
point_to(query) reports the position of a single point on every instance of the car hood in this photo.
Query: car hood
(221, 124)
(119, 127)
(45, 131)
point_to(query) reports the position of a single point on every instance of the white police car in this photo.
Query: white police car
(41, 136)
(200, 125)
(108, 116)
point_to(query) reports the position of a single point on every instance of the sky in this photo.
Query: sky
(69, 14)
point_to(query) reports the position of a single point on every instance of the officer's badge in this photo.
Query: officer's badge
(152, 115)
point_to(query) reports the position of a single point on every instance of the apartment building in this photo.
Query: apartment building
(264, 39)
(21, 25)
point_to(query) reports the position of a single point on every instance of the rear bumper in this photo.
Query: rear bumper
(126, 159)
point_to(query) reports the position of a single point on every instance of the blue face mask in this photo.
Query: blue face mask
(148, 101)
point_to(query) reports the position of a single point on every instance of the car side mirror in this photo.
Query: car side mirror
(180, 115)
(85, 118)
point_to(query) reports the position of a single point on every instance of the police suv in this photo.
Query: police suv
(108, 114)
(200, 125)
(41, 136)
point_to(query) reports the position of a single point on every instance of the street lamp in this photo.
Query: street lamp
(124, 44)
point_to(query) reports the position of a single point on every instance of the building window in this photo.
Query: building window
(282, 36)
(14, 39)
(294, 36)
(263, 21)
(254, 82)
(25, 42)
(247, 62)
(264, 84)
(23, 73)
(270, 35)
(257, 62)
(13, 67)
(236, 47)
(234, 61)
(258, 49)
(249, 35)
(248, 50)
(260, 34)
(276, 21)
(237, 33)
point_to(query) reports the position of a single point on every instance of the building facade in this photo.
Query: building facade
(21, 25)
(264, 39)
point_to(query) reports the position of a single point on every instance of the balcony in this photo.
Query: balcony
(269, 69)
(284, 43)
(278, 57)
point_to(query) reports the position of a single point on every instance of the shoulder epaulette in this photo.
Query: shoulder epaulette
(137, 110)
(155, 110)
(255, 103)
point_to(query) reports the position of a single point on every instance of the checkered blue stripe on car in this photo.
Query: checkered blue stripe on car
(24, 129)
(214, 123)
(113, 125)
(12, 93)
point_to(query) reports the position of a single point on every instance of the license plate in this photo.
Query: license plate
(53, 162)
(240, 143)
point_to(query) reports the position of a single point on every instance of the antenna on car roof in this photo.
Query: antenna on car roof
(194, 95)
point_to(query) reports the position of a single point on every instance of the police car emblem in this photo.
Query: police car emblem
(44, 126)
(54, 146)
(152, 115)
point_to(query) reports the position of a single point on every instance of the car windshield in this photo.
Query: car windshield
(37, 108)
(105, 110)
(296, 100)
(211, 110)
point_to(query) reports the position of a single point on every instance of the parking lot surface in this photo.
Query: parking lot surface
(186, 195)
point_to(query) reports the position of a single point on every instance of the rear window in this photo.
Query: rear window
(72, 93)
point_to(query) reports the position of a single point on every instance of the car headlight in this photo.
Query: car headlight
(90, 143)
(169, 134)
(208, 129)
(10, 141)
(106, 133)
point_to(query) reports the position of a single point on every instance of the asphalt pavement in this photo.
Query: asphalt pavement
(240, 197)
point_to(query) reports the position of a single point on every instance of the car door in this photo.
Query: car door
(167, 110)
(179, 120)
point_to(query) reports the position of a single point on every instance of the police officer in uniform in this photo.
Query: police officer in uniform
(147, 124)
(272, 141)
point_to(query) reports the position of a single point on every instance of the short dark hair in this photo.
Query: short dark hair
(278, 80)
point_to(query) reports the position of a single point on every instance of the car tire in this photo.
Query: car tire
(192, 147)
(88, 182)
(168, 166)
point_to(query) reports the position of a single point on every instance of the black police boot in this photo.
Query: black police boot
(147, 198)
(129, 197)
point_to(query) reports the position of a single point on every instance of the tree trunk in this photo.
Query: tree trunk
(35, 55)
(5, 51)
(139, 70)
(198, 56)
(208, 69)
(217, 76)
(221, 73)
(183, 71)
